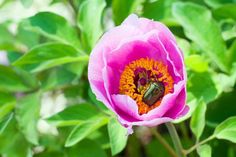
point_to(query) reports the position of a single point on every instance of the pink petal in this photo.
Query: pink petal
(106, 44)
(100, 92)
(180, 104)
(146, 25)
(126, 107)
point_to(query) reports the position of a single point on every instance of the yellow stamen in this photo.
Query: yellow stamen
(128, 87)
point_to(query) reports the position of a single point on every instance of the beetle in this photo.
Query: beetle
(153, 93)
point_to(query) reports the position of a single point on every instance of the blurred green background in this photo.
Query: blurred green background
(47, 107)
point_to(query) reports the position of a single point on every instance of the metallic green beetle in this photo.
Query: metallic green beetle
(153, 93)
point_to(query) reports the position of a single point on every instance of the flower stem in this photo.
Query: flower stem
(198, 144)
(163, 142)
(175, 139)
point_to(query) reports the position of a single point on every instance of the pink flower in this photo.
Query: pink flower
(137, 70)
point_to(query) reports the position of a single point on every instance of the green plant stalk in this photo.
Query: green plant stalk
(175, 139)
(186, 138)
(184, 131)
(198, 144)
(163, 142)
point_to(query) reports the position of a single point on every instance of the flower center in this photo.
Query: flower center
(147, 82)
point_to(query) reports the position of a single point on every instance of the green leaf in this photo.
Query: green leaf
(27, 114)
(27, 37)
(12, 143)
(231, 54)
(218, 3)
(47, 52)
(6, 98)
(27, 3)
(196, 63)
(7, 40)
(29, 79)
(50, 55)
(101, 137)
(74, 115)
(56, 62)
(229, 34)
(226, 82)
(11, 80)
(90, 21)
(57, 78)
(204, 151)
(12, 56)
(78, 67)
(6, 109)
(159, 11)
(226, 11)
(82, 130)
(221, 109)
(197, 123)
(87, 148)
(122, 8)
(54, 27)
(184, 45)
(227, 130)
(209, 38)
(5, 121)
(118, 136)
(3, 3)
(202, 85)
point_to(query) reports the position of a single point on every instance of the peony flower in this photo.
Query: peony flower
(137, 70)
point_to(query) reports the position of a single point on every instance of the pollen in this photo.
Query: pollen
(137, 77)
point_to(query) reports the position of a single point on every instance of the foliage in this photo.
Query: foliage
(47, 107)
